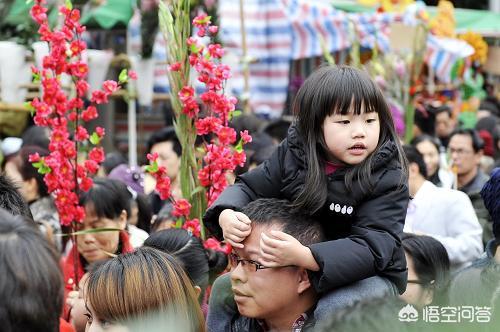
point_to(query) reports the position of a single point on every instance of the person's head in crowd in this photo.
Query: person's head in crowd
(107, 205)
(277, 129)
(488, 107)
(164, 219)
(491, 198)
(424, 122)
(374, 315)
(261, 155)
(428, 270)
(139, 285)
(445, 124)
(30, 181)
(9, 147)
(11, 200)
(133, 178)
(429, 147)
(248, 122)
(169, 149)
(112, 160)
(417, 169)
(38, 136)
(201, 265)
(466, 149)
(275, 295)
(491, 124)
(31, 285)
(260, 142)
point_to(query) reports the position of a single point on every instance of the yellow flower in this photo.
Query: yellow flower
(477, 42)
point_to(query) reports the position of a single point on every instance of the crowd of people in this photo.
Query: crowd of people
(334, 225)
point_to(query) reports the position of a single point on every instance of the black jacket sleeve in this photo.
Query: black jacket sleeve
(374, 242)
(262, 181)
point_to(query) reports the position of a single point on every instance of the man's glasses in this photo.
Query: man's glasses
(460, 152)
(247, 264)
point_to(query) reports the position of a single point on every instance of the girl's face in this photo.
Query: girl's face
(351, 138)
(97, 246)
(431, 156)
(94, 324)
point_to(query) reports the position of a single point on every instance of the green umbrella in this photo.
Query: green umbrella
(19, 14)
(111, 14)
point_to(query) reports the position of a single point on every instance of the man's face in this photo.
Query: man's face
(167, 158)
(463, 155)
(266, 293)
(444, 124)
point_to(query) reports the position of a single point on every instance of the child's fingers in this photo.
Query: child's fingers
(273, 243)
(241, 226)
(243, 217)
(240, 234)
(281, 236)
(269, 263)
(234, 244)
(234, 238)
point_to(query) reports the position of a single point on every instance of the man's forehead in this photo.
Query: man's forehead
(252, 242)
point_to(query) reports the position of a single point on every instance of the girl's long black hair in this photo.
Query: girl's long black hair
(334, 90)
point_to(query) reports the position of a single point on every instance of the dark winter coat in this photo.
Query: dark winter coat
(363, 228)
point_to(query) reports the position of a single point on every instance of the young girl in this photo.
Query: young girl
(343, 163)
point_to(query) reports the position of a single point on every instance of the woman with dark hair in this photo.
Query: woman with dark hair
(107, 205)
(31, 284)
(201, 265)
(428, 270)
(143, 289)
(34, 190)
(432, 151)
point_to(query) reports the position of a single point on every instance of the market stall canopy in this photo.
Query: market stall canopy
(110, 15)
(484, 22)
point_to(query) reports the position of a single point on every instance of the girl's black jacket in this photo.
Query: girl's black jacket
(363, 228)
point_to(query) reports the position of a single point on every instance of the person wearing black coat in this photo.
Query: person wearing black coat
(360, 202)
(363, 228)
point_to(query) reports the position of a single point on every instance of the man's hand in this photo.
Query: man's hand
(235, 227)
(281, 249)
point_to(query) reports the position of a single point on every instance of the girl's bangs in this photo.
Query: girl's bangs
(356, 95)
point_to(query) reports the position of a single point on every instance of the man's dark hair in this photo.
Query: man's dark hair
(166, 134)
(414, 156)
(31, 286)
(439, 109)
(431, 262)
(38, 136)
(268, 211)
(477, 141)
(11, 200)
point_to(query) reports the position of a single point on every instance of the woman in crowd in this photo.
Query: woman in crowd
(142, 291)
(428, 270)
(34, 190)
(432, 150)
(107, 205)
(201, 265)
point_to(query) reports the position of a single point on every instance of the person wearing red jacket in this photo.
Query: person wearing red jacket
(107, 206)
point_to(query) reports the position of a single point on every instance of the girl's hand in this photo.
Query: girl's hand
(235, 227)
(281, 249)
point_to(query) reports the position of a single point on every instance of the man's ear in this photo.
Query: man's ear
(478, 155)
(303, 281)
(428, 296)
(413, 169)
